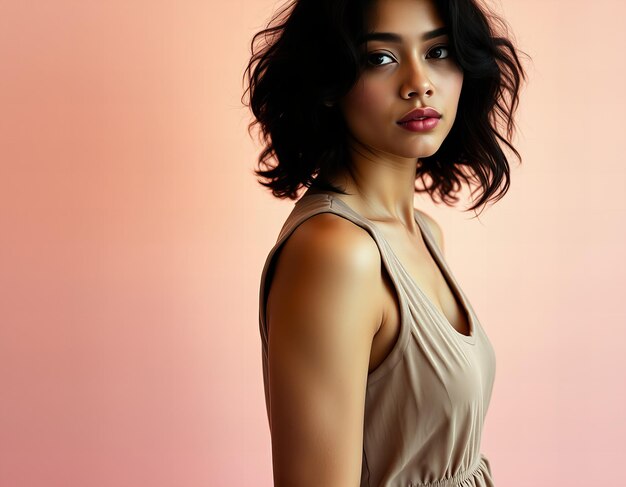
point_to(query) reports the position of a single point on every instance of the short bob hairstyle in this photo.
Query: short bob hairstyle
(311, 56)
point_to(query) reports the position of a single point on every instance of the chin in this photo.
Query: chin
(419, 151)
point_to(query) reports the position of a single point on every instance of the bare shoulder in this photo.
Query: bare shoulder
(330, 237)
(435, 228)
(329, 255)
(324, 308)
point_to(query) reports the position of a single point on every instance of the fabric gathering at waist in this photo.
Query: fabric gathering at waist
(454, 480)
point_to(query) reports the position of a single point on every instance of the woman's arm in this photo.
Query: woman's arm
(324, 308)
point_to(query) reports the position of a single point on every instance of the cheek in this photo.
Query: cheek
(456, 84)
(366, 99)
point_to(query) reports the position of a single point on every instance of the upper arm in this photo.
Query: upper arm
(435, 228)
(324, 308)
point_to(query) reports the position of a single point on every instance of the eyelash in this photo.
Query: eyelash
(444, 46)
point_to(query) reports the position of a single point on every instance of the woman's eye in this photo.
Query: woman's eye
(375, 56)
(440, 52)
(439, 49)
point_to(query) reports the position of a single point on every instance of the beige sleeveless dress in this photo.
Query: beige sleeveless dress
(426, 402)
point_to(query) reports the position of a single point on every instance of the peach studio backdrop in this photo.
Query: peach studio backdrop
(133, 235)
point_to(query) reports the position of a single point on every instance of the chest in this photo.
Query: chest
(417, 261)
(414, 257)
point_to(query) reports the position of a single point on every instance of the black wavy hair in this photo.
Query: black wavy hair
(310, 56)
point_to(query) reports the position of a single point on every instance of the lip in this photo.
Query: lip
(427, 112)
(423, 125)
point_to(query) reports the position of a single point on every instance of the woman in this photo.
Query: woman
(377, 371)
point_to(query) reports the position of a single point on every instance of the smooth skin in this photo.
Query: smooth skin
(325, 306)
(332, 311)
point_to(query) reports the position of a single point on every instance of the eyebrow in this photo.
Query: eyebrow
(396, 38)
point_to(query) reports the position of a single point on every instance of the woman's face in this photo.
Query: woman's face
(413, 72)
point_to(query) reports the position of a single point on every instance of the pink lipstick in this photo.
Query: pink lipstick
(420, 119)
(420, 125)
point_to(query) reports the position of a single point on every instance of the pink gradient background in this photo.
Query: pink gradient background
(133, 234)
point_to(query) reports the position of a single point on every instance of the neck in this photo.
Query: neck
(380, 187)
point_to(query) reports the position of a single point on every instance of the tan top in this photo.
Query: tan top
(423, 422)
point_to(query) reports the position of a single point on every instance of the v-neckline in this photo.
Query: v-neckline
(446, 273)
(443, 269)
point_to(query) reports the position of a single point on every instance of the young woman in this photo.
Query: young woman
(377, 371)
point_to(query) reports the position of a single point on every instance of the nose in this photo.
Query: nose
(416, 81)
